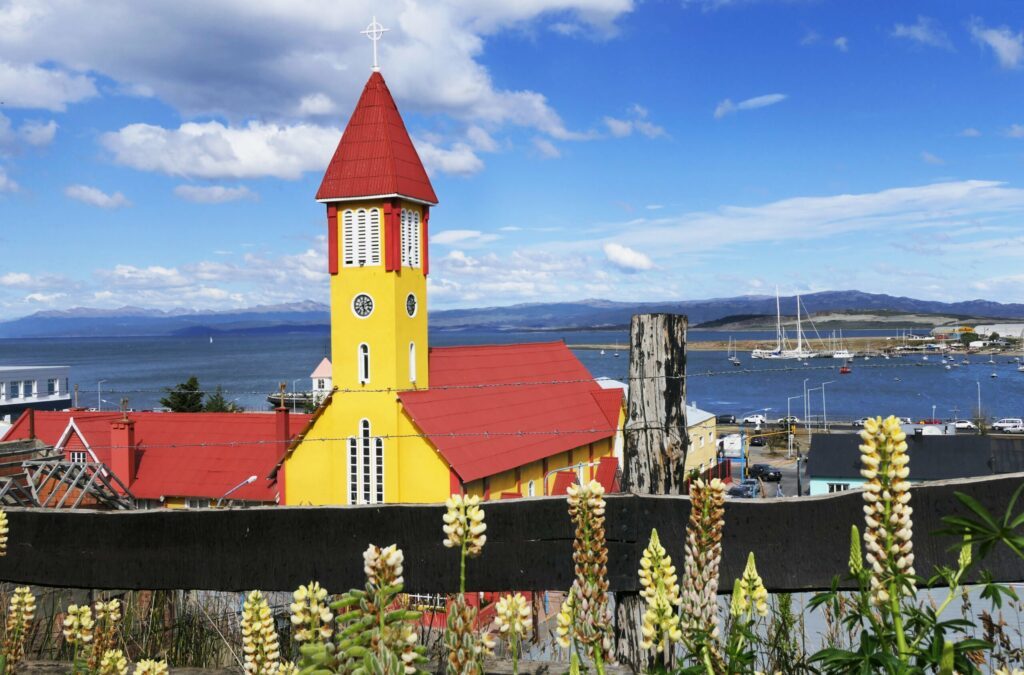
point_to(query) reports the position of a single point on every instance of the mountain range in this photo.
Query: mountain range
(580, 315)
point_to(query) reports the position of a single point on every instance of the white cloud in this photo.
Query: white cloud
(462, 237)
(546, 148)
(970, 132)
(7, 184)
(926, 32)
(1007, 45)
(481, 140)
(617, 127)
(810, 37)
(213, 150)
(626, 258)
(929, 158)
(727, 107)
(459, 159)
(654, 207)
(213, 194)
(510, 228)
(37, 133)
(15, 279)
(96, 197)
(44, 298)
(30, 86)
(842, 43)
(317, 104)
(636, 121)
(1015, 131)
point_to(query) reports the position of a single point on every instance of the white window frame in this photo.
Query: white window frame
(360, 237)
(78, 456)
(838, 487)
(378, 470)
(412, 361)
(363, 356)
(353, 470)
(365, 466)
(531, 489)
(365, 462)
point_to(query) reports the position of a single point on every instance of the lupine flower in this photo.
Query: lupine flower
(513, 614)
(259, 636)
(19, 621)
(464, 524)
(113, 662)
(3, 532)
(106, 614)
(310, 614)
(703, 555)
(660, 589)
(78, 625)
(749, 591)
(383, 567)
(888, 536)
(856, 563)
(151, 667)
(109, 611)
(465, 650)
(591, 620)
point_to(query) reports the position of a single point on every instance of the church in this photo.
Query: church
(405, 422)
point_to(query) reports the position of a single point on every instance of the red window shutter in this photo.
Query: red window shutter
(425, 239)
(332, 238)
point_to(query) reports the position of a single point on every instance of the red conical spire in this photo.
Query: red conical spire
(376, 157)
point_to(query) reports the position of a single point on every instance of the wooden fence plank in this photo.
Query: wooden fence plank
(800, 543)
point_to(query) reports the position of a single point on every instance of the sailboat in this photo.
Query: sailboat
(780, 338)
(842, 352)
(733, 358)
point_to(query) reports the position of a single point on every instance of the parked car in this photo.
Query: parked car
(792, 419)
(755, 419)
(932, 420)
(965, 424)
(743, 491)
(905, 420)
(859, 422)
(1007, 423)
(1019, 429)
(725, 419)
(765, 472)
(758, 441)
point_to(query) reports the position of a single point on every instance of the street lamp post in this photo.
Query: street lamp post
(99, 395)
(979, 404)
(789, 427)
(824, 411)
(743, 439)
(248, 481)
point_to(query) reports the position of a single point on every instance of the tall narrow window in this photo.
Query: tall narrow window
(531, 489)
(364, 438)
(410, 238)
(412, 361)
(364, 363)
(360, 237)
(378, 470)
(348, 238)
(353, 470)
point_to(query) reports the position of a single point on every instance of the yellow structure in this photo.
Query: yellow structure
(496, 422)
(702, 429)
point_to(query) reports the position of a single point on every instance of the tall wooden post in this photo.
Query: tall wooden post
(655, 442)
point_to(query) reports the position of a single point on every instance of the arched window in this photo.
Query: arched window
(410, 238)
(412, 361)
(364, 438)
(579, 473)
(364, 363)
(360, 237)
(353, 470)
(531, 489)
(378, 470)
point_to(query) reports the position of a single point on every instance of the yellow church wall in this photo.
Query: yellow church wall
(423, 475)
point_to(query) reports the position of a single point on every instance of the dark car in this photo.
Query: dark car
(765, 472)
(725, 419)
(758, 440)
(742, 491)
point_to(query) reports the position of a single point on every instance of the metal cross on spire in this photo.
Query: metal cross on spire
(374, 31)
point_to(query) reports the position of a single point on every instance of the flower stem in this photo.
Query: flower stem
(462, 569)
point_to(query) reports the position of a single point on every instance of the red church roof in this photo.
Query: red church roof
(178, 454)
(482, 429)
(375, 156)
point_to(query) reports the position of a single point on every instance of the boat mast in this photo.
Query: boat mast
(778, 322)
(799, 330)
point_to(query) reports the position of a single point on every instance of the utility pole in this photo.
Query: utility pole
(655, 443)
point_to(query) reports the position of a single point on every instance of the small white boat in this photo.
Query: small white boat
(949, 367)
(211, 339)
(924, 358)
(602, 352)
(1021, 369)
(966, 362)
(994, 375)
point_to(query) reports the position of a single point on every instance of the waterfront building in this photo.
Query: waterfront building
(407, 422)
(834, 463)
(36, 387)
(702, 431)
(172, 460)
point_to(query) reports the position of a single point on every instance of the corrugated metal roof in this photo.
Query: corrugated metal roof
(696, 415)
(375, 156)
(181, 454)
(552, 418)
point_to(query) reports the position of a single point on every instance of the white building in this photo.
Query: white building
(1011, 330)
(38, 387)
(322, 381)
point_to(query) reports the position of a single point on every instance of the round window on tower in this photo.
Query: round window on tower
(410, 304)
(362, 305)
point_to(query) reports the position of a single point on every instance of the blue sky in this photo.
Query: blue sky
(167, 156)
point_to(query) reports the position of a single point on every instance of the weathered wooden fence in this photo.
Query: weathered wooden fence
(800, 543)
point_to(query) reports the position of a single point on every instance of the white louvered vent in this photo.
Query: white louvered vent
(410, 238)
(348, 238)
(373, 238)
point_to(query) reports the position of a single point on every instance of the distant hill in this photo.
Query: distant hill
(854, 307)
